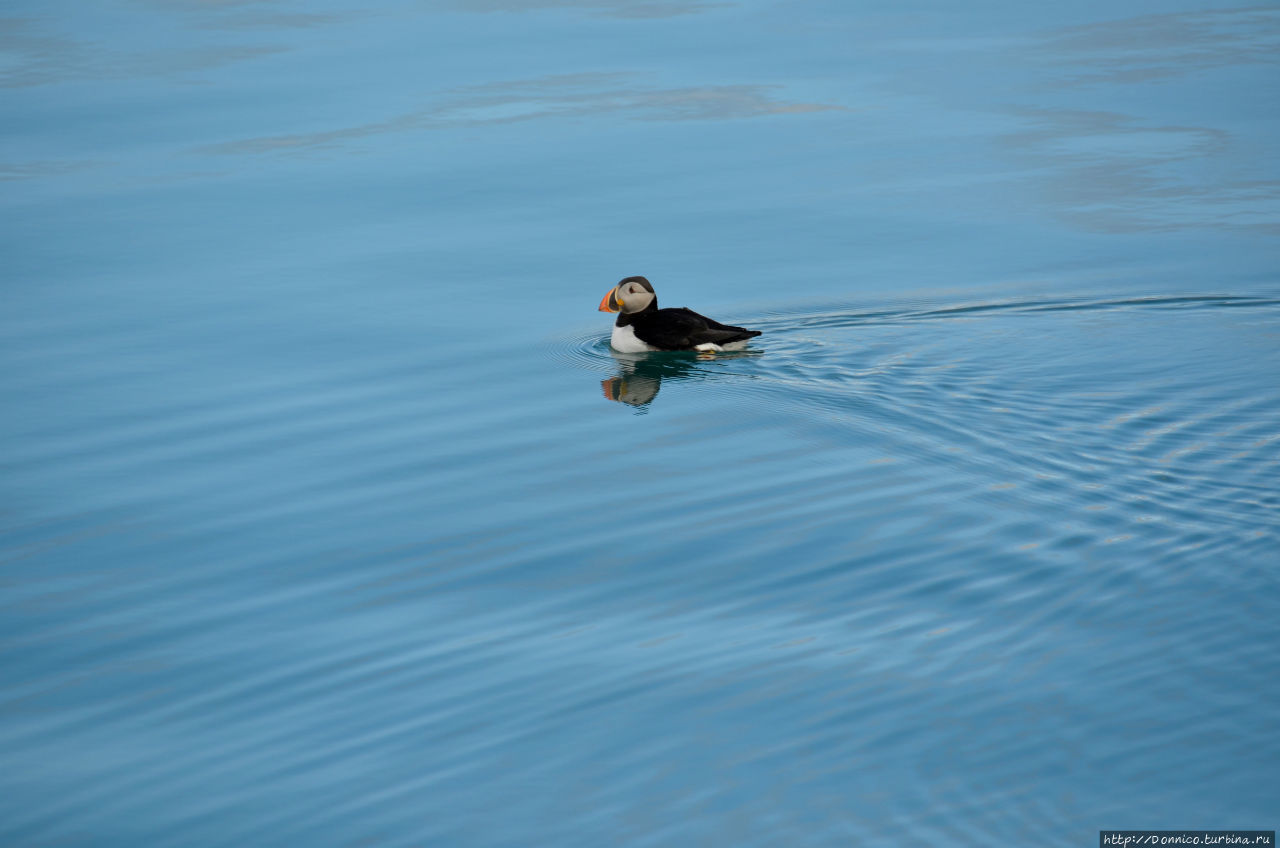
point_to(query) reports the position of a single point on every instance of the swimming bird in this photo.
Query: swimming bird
(643, 327)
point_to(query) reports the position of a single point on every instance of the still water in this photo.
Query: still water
(327, 516)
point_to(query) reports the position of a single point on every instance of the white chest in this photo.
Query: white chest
(624, 340)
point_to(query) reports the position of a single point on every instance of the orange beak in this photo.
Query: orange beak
(609, 303)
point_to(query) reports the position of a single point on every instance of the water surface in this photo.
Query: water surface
(327, 517)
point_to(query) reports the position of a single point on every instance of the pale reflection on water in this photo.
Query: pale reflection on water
(640, 375)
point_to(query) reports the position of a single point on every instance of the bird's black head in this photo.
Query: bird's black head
(633, 294)
(641, 281)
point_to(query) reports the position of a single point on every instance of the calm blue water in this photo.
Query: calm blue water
(328, 518)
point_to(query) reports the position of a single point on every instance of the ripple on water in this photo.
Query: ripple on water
(956, 571)
(1135, 424)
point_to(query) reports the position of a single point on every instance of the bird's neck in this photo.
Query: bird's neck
(626, 318)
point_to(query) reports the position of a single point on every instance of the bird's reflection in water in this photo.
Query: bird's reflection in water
(640, 375)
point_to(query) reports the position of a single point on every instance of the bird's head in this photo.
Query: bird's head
(633, 294)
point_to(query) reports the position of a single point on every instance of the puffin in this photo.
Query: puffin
(643, 327)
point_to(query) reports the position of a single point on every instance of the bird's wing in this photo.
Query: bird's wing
(669, 329)
(716, 325)
(681, 329)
